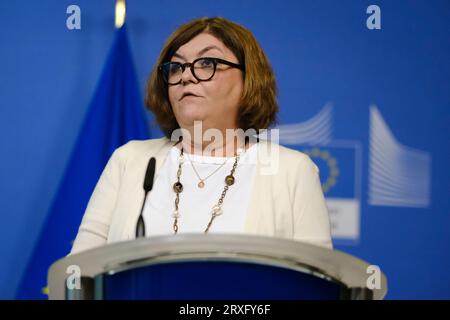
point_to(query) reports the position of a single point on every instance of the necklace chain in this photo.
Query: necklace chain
(216, 209)
(201, 183)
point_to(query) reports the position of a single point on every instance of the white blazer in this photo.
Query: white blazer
(286, 201)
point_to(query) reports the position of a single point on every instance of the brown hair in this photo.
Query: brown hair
(258, 107)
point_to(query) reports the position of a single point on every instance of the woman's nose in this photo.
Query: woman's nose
(187, 76)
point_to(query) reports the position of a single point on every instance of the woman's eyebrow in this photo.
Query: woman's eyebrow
(200, 52)
(207, 49)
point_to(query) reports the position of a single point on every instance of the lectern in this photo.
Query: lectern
(213, 267)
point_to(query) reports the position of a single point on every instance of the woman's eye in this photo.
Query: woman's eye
(206, 63)
(174, 68)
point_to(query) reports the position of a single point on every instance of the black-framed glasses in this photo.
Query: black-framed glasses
(203, 69)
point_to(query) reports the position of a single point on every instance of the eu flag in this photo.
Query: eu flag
(115, 116)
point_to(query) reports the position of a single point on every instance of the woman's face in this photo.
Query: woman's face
(214, 102)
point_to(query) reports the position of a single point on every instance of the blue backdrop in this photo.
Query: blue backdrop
(370, 106)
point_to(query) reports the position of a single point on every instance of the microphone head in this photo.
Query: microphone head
(149, 175)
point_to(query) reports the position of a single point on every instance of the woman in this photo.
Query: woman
(212, 79)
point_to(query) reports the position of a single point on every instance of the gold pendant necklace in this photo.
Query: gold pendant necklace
(201, 183)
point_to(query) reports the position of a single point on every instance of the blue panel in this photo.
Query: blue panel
(217, 281)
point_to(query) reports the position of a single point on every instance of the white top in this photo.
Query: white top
(196, 203)
(285, 202)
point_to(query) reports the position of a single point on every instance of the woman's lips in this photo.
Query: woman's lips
(189, 96)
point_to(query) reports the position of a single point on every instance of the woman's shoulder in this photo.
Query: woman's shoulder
(141, 147)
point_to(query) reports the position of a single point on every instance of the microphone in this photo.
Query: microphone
(148, 185)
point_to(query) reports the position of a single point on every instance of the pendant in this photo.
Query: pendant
(216, 211)
(201, 184)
